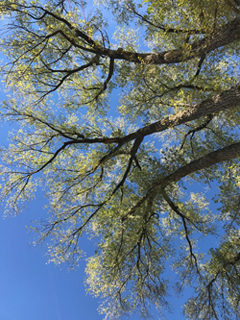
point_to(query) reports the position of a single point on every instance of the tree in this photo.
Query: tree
(123, 174)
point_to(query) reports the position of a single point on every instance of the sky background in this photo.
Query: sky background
(32, 289)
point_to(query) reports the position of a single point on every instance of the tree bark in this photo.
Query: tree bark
(225, 35)
(221, 155)
(221, 37)
(225, 100)
(204, 162)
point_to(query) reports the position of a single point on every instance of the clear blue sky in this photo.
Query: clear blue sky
(30, 288)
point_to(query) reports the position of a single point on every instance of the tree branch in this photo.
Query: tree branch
(226, 34)
(184, 218)
(196, 129)
(164, 28)
(225, 154)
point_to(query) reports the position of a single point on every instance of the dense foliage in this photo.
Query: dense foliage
(125, 170)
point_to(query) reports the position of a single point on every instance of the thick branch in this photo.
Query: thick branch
(227, 99)
(227, 34)
(225, 154)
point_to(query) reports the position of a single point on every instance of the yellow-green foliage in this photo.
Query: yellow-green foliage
(120, 129)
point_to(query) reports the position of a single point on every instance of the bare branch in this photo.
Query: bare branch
(184, 218)
(164, 28)
(199, 128)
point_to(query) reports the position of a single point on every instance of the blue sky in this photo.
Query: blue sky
(32, 289)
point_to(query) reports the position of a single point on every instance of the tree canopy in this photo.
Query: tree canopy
(133, 172)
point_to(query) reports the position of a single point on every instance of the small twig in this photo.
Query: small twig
(110, 74)
(196, 129)
(184, 218)
(199, 65)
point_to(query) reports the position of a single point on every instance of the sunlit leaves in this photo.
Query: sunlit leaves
(114, 168)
